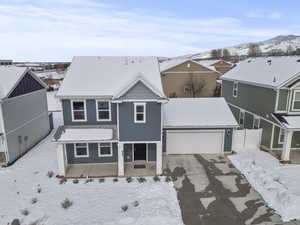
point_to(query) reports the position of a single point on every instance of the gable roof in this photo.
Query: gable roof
(109, 75)
(212, 62)
(168, 64)
(10, 76)
(198, 113)
(271, 72)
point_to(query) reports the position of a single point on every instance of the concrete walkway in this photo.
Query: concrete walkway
(212, 192)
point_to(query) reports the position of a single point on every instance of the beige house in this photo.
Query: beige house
(185, 78)
(219, 65)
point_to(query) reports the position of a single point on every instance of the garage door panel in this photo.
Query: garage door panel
(194, 142)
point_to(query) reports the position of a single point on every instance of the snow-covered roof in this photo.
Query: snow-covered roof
(266, 71)
(85, 135)
(198, 113)
(108, 75)
(210, 62)
(9, 76)
(168, 64)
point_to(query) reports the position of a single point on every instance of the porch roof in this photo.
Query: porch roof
(85, 134)
(291, 122)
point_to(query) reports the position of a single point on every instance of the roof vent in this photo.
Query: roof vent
(269, 61)
(249, 61)
(274, 79)
(298, 60)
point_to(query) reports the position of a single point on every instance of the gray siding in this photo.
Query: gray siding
(26, 122)
(276, 138)
(296, 140)
(91, 114)
(258, 100)
(151, 152)
(93, 155)
(139, 91)
(149, 131)
(266, 133)
(128, 152)
(282, 100)
(228, 140)
(235, 111)
(248, 121)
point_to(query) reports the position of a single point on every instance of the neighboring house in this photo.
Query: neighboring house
(265, 93)
(24, 117)
(219, 65)
(118, 122)
(5, 62)
(185, 78)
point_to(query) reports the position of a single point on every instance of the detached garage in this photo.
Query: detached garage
(198, 125)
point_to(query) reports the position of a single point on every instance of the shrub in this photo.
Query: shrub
(50, 174)
(156, 178)
(66, 203)
(39, 190)
(124, 208)
(168, 179)
(135, 204)
(75, 181)
(101, 180)
(115, 180)
(129, 179)
(25, 212)
(141, 179)
(33, 200)
(62, 180)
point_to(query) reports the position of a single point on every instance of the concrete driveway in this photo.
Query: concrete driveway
(212, 192)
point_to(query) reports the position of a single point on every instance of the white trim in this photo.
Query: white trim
(184, 72)
(242, 112)
(20, 96)
(235, 87)
(84, 107)
(135, 112)
(81, 156)
(272, 137)
(5, 146)
(97, 111)
(118, 121)
(293, 101)
(280, 133)
(256, 118)
(105, 155)
(250, 83)
(140, 100)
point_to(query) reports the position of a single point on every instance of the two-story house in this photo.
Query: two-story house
(117, 120)
(24, 119)
(265, 93)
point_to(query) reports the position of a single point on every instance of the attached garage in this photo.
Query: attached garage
(198, 125)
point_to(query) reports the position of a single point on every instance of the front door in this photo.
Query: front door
(140, 152)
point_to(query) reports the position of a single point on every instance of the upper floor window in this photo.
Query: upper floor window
(242, 119)
(281, 136)
(296, 101)
(187, 89)
(103, 111)
(256, 122)
(235, 89)
(78, 110)
(140, 112)
(105, 149)
(81, 150)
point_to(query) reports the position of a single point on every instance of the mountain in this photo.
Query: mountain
(281, 42)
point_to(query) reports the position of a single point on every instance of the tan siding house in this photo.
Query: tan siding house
(188, 78)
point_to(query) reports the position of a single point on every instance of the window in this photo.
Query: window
(81, 150)
(78, 111)
(296, 101)
(140, 112)
(187, 89)
(105, 149)
(235, 89)
(281, 136)
(256, 122)
(242, 118)
(103, 111)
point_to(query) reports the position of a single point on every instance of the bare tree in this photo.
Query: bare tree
(254, 50)
(214, 54)
(194, 86)
(289, 50)
(226, 54)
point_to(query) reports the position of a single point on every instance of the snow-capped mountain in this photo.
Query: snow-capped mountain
(281, 42)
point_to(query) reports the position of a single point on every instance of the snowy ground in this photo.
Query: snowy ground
(278, 184)
(94, 203)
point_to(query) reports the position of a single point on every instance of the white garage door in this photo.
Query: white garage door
(194, 141)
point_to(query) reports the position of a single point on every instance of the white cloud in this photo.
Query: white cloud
(264, 15)
(60, 29)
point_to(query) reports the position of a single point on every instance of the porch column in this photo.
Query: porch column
(285, 156)
(61, 160)
(120, 159)
(159, 158)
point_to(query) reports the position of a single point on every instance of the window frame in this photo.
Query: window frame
(281, 132)
(110, 147)
(81, 156)
(242, 112)
(84, 109)
(135, 112)
(235, 88)
(185, 87)
(97, 110)
(293, 103)
(256, 118)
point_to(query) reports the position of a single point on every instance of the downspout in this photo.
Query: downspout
(4, 133)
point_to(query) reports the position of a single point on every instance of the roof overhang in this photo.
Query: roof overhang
(166, 127)
(288, 122)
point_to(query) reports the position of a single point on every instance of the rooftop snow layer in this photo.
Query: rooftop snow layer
(292, 122)
(198, 112)
(108, 75)
(267, 71)
(88, 134)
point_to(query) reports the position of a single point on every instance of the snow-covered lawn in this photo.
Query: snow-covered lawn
(94, 203)
(278, 184)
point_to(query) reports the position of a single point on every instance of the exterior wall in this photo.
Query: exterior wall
(296, 140)
(222, 67)
(151, 152)
(130, 131)
(248, 121)
(283, 98)
(266, 133)
(93, 155)
(26, 122)
(235, 111)
(251, 98)
(91, 113)
(276, 138)
(139, 91)
(176, 78)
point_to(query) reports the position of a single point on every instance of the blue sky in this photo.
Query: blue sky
(55, 30)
